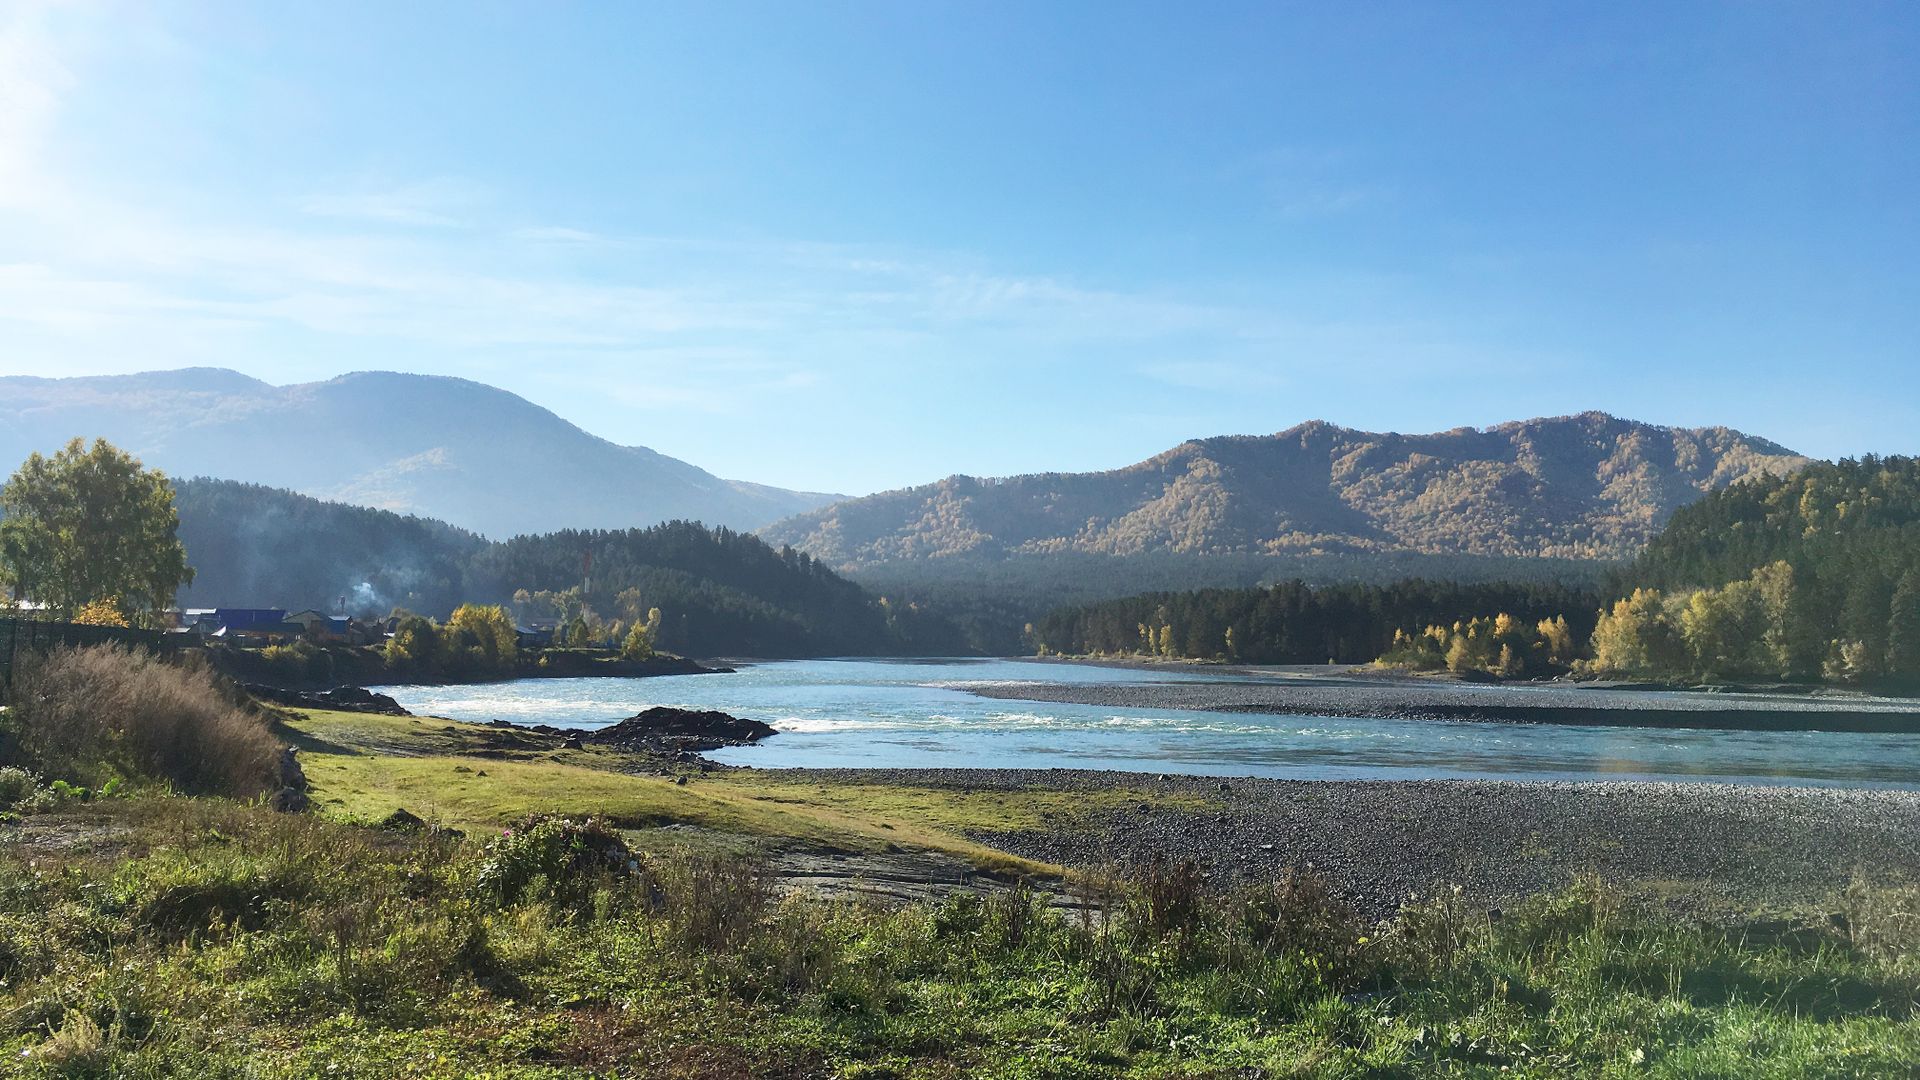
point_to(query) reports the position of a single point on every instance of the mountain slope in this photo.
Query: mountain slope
(441, 447)
(1587, 486)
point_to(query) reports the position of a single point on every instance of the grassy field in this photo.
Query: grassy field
(364, 766)
(149, 935)
(176, 937)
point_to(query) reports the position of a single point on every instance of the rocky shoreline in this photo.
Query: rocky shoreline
(1711, 849)
(664, 731)
(364, 666)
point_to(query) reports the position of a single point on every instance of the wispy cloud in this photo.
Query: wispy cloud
(444, 272)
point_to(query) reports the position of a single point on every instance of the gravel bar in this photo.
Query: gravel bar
(1425, 699)
(1716, 849)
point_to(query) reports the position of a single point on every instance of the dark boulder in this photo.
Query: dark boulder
(340, 699)
(401, 821)
(665, 728)
(291, 774)
(291, 798)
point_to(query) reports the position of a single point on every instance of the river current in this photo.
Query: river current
(919, 714)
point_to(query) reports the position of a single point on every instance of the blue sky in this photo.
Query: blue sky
(855, 246)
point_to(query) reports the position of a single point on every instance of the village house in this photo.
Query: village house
(319, 626)
(237, 626)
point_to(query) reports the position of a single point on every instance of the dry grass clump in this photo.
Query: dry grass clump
(91, 714)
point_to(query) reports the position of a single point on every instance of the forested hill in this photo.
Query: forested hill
(254, 546)
(1588, 487)
(1849, 531)
(446, 448)
(1853, 521)
(720, 592)
(1814, 576)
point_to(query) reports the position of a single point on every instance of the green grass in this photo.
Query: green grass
(175, 937)
(151, 936)
(364, 766)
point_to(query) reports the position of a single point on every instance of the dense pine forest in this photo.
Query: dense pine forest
(254, 546)
(993, 601)
(1815, 574)
(1295, 623)
(719, 591)
(1850, 530)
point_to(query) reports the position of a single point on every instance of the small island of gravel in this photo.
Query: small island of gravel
(1366, 693)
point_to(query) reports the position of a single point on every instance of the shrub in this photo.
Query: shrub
(1013, 915)
(1299, 914)
(299, 662)
(17, 786)
(1170, 896)
(91, 714)
(557, 860)
(714, 904)
(1430, 936)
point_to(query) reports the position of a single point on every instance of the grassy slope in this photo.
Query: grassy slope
(364, 766)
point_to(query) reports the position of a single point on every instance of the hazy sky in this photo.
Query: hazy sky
(852, 246)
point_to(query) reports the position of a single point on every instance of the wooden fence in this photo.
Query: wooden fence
(21, 638)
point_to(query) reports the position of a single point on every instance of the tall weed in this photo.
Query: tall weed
(92, 714)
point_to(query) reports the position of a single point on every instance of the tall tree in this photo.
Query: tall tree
(1903, 629)
(90, 526)
(480, 638)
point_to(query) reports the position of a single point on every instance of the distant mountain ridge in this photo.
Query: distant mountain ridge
(1590, 486)
(435, 446)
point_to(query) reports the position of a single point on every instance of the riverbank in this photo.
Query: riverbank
(1369, 694)
(1715, 850)
(324, 667)
(1597, 928)
(164, 936)
(1705, 848)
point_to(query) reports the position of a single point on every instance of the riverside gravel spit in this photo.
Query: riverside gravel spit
(1403, 698)
(1710, 849)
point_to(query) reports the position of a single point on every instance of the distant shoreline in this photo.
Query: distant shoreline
(1343, 691)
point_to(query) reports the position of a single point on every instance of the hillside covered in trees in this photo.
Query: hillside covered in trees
(1587, 487)
(719, 592)
(1813, 576)
(254, 546)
